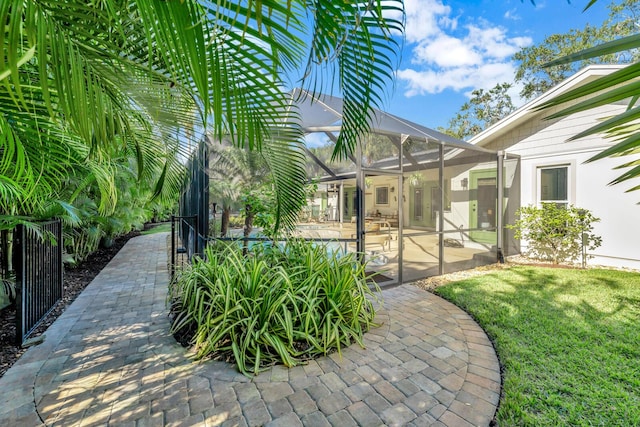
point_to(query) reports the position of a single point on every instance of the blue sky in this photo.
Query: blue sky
(454, 47)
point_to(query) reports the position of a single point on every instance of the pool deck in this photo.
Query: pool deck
(109, 360)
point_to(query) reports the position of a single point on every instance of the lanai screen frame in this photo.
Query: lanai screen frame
(322, 114)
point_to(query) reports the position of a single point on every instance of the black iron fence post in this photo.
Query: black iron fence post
(173, 246)
(184, 241)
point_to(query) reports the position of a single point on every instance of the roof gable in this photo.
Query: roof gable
(527, 111)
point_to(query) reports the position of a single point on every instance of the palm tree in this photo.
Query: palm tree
(79, 77)
(237, 172)
(617, 86)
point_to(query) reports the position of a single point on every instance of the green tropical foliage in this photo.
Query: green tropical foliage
(84, 83)
(619, 86)
(242, 179)
(74, 112)
(556, 233)
(284, 304)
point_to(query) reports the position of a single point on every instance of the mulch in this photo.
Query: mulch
(75, 280)
(431, 283)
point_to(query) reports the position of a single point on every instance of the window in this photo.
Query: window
(382, 195)
(553, 184)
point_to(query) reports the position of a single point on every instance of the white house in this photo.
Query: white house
(553, 169)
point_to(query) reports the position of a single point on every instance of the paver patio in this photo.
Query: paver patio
(109, 360)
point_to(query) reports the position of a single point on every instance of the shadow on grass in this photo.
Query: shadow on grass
(566, 339)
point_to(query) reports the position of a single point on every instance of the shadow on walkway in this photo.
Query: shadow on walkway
(109, 360)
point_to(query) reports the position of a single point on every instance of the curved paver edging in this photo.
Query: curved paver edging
(110, 359)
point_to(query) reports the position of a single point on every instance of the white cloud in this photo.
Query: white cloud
(426, 18)
(512, 15)
(447, 56)
(493, 41)
(445, 51)
(460, 79)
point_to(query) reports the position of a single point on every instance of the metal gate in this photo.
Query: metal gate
(39, 274)
(184, 230)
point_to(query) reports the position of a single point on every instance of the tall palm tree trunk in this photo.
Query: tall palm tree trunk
(248, 226)
(224, 223)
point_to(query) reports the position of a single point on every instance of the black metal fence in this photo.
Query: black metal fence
(194, 201)
(39, 274)
(190, 229)
(183, 241)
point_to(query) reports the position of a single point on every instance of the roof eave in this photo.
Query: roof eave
(524, 112)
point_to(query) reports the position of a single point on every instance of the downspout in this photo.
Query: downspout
(440, 213)
(360, 244)
(500, 216)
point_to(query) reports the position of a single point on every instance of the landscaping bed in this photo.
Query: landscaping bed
(275, 304)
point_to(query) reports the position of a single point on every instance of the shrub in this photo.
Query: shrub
(236, 221)
(80, 242)
(7, 291)
(281, 304)
(556, 233)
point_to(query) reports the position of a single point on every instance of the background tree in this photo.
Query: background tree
(241, 178)
(536, 78)
(481, 111)
(487, 107)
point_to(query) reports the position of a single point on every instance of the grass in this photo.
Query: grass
(568, 340)
(162, 228)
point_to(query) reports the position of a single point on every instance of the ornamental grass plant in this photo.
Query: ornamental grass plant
(278, 304)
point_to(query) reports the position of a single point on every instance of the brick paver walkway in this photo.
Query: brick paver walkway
(109, 360)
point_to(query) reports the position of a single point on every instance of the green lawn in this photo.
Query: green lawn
(161, 228)
(569, 342)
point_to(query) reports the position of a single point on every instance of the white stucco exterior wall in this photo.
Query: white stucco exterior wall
(543, 143)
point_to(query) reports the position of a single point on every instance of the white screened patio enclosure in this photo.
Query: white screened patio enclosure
(417, 202)
(413, 202)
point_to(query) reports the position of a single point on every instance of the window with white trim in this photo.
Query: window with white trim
(553, 185)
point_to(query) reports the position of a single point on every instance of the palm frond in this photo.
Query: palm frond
(620, 85)
(287, 164)
(84, 82)
(615, 46)
(359, 37)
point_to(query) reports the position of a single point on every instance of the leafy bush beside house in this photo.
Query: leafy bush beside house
(556, 233)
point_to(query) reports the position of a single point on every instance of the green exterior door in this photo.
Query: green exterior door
(483, 205)
(349, 203)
